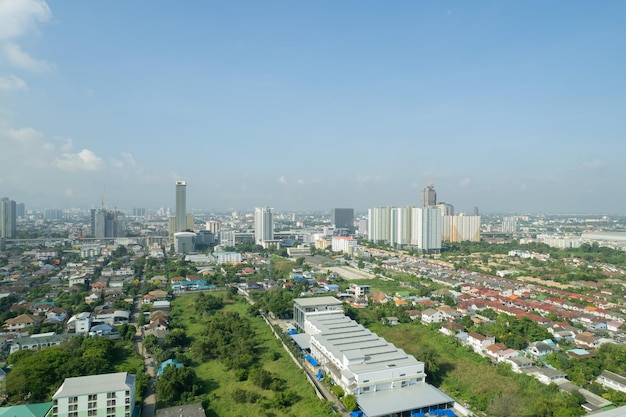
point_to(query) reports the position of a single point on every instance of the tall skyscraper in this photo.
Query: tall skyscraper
(21, 211)
(8, 218)
(427, 228)
(379, 224)
(343, 218)
(263, 225)
(429, 196)
(181, 206)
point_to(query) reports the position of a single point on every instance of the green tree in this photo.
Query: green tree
(349, 401)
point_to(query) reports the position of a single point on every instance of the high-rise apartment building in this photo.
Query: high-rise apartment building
(427, 229)
(379, 227)
(53, 214)
(181, 206)
(263, 225)
(343, 218)
(401, 219)
(461, 228)
(510, 225)
(429, 196)
(107, 223)
(8, 218)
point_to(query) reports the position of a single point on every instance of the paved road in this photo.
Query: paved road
(149, 397)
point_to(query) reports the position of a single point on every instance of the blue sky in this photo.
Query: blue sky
(511, 107)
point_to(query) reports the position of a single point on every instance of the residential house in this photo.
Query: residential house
(612, 380)
(614, 325)
(451, 328)
(430, 315)
(478, 342)
(519, 363)
(21, 322)
(492, 350)
(57, 314)
(541, 349)
(39, 341)
(586, 340)
(546, 375)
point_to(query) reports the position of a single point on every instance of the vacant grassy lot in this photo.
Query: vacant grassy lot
(220, 383)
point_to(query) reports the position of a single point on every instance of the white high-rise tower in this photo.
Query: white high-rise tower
(180, 223)
(263, 225)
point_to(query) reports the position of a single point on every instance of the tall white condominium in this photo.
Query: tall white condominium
(263, 225)
(401, 226)
(427, 228)
(180, 224)
(379, 228)
(461, 228)
(8, 218)
(509, 225)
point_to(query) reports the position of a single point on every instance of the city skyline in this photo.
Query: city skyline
(513, 108)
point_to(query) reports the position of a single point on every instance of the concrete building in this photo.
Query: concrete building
(227, 257)
(343, 244)
(461, 228)
(180, 223)
(184, 242)
(8, 218)
(107, 223)
(343, 218)
(427, 229)
(429, 196)
(110, 395)
(384, 379)
(263, 225)
(379, 224)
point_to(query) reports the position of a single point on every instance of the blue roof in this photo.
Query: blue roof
(27, 410)
(167, 363)
(311, 360)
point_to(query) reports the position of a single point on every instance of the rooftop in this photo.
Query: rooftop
(84, 385)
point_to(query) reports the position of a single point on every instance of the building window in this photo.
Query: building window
(72, 400)
(127, 400)
(72, 407)
(110, 395)
(93, 397)
(73, 414)
(55, 410)
(92, 404)
(128, 393)
(92, 412)
(110, 402)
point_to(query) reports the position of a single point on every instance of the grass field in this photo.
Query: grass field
(220, 383)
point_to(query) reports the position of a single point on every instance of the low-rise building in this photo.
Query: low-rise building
(111, 395)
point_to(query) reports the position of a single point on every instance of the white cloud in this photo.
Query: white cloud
(25, 134)
(18, 17)
(594, 165)
(12, 83)
(464, 182)
(282, 180)
(21, 59)
(84, 160)
(368, 178)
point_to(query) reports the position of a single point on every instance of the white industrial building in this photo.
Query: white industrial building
(384, 379)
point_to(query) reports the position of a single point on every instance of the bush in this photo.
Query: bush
(337, 391)
(349, 401)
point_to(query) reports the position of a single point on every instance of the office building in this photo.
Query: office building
(8, 218)
(343, 218)
(429, 196)
(384, 379)
(427, 228)
(21, 210)
(343, 244)
(184, 242)
(139, 212)
(108, 395)
(263, 225)
(181, 207)
(213, 226)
